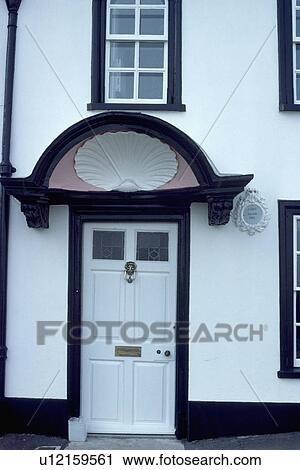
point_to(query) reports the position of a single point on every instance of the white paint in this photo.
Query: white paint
(126, 161)
(234, 277)
(133, 395)
(37, 291)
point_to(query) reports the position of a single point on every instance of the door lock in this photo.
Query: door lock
(167, 353)
(130, 269)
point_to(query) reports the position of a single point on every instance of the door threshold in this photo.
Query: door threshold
(136, 436)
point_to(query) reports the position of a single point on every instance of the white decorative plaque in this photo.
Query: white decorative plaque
(251, 213)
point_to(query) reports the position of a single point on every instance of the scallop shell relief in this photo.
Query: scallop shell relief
(126, 161)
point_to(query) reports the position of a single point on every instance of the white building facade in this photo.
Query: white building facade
(137, 127)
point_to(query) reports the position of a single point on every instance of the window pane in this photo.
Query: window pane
(151, 85)
(108, 245)
(298, 23)
(298, 86)
(122, 54)
(298, 3)
(122, 2)
(298, 307)
(152, 22)
(122, 21)
(154, 2)
(152, 246)
(121, 85)
(298, 56)
(151, 54)
(297, 342)
(298, 270)
(298, 235)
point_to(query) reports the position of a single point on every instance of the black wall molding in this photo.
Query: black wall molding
(78, 216)
(34, 416)
(219, 419)
(218, 190)
(6, 170)
(174, 95)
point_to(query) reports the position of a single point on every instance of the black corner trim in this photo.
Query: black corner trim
(136, 107)
(289, 373)
(220, 419)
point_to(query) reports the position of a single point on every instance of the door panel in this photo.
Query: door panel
(149, 386)
(129, 394)
(107, 390)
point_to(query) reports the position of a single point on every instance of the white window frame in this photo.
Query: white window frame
(296, 288)
(137, 38)
(296, 41)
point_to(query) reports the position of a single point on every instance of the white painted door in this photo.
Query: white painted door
(129, 388)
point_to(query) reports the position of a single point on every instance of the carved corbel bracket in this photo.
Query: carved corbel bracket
(219, 210)
(36, 213)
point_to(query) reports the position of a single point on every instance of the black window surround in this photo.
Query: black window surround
(286, 66)
(174, 95)
(287, 211)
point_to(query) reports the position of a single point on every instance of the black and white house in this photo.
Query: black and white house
(150, 217)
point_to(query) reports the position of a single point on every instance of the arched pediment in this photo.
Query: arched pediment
(36, 192)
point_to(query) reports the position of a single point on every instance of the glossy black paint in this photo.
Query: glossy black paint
(34, 416)
(219, 419)
(213, 188)
(6, 170)
(287, 210)
(79, 215)
(285, 49)
(174, 97)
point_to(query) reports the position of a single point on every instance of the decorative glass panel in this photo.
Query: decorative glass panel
(121, 85)
(152, 2)
(298, 342)
(122, 2)
(298, 23)
(298, 86)
(152, 246)
(152, 22)
(122, 54)
(151, 55)
(108, 245)
(122, 21)
(151, 85)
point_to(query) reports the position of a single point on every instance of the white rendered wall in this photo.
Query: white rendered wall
(37, 291)
(230, 88)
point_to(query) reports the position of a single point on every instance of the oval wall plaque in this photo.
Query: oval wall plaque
(250, 213)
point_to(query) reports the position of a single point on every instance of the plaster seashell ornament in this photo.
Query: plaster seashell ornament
(126, 161)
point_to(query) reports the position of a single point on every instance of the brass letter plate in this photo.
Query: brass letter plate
(128, 351)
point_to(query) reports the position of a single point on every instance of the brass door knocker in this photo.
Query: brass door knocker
(130, 269)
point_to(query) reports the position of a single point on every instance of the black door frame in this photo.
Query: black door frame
(78, 216)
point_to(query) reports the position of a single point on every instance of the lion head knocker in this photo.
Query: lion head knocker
(130, 269)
